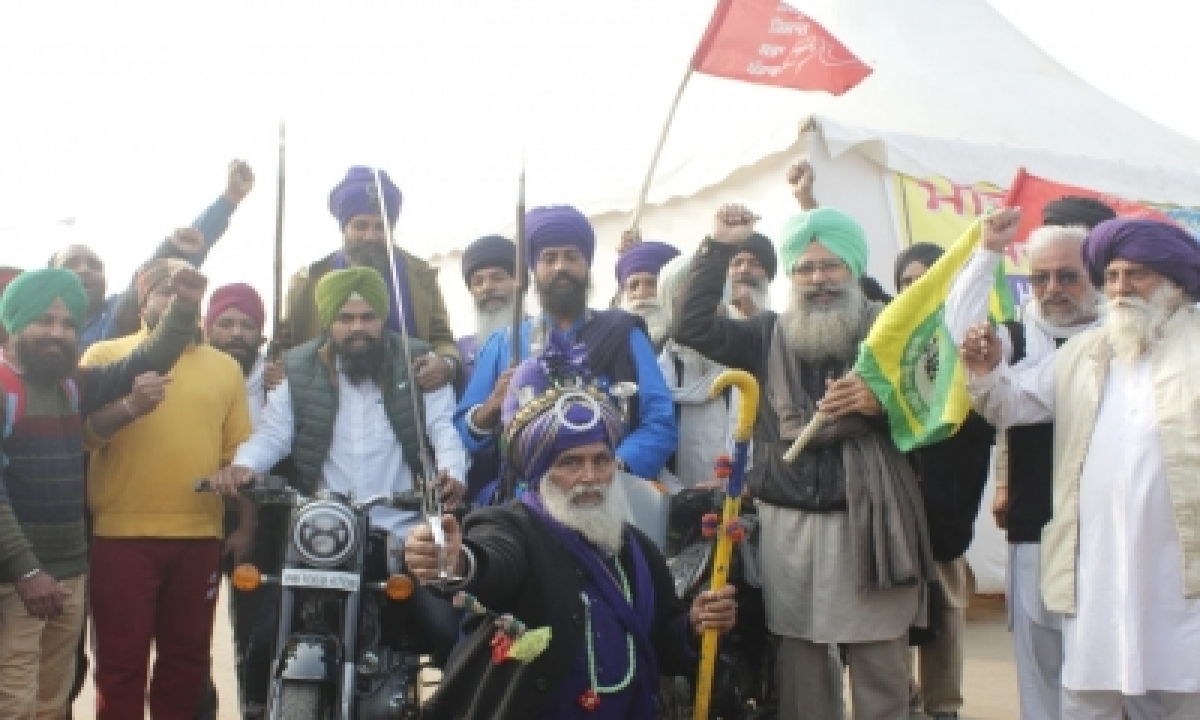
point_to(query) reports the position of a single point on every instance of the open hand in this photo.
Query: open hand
(714, 610)
(421, 552)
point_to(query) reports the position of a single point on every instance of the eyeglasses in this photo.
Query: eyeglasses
(825, 267)
(1065, 278)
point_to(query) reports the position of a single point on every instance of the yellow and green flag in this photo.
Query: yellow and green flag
(910, 361)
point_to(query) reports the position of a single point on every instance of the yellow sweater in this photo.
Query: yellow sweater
(141, 482)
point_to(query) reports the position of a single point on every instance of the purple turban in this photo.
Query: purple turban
(489, 251)
(1163, 247)
(554, 405)
(356, 194)
(557, 226)
(645, 257)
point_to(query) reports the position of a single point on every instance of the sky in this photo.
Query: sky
(119, 118)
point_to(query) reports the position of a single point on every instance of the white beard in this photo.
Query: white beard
(816, 333)
(1133, 325)
(489, 321)
(657, 319)
(601, 525)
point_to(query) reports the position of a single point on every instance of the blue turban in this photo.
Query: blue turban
(554, 405)
(557, 226)
(356, 194)
(837, 231)
(645, 257)
(490, 251)
(1163, 247)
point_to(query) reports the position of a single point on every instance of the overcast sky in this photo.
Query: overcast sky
(123, 115)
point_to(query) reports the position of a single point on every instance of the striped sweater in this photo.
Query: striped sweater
(42, 493)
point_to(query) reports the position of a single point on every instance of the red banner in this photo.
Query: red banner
(770, 43)
(1031, 193)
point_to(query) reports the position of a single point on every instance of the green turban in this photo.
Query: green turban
(338, 286)
(837, 231)
(31, 294)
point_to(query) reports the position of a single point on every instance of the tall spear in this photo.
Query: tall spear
(514, 353)
(278, 341)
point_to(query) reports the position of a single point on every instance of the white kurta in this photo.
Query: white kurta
(364, 458)
(1134, 631)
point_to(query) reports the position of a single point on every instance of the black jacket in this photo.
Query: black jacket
(953, 474)
(521, 569)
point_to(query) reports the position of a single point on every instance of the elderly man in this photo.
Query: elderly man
(158, 544)
(1064, 304)
(345, 417)
(489, 270)
(117, 314)
(560, 242)
(563, 558)
(637, 278)
(1120, 559)
(844, 548)
(355, 202)
(43, 543)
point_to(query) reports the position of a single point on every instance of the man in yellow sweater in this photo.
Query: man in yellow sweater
(157, 547)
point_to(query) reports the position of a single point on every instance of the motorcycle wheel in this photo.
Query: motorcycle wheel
(299, 701)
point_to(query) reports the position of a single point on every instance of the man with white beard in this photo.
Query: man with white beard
(489, 270)
(751, 271)
(1064, 304)
(1121, 554)
(563, 558)
(637, 278)
(845, 552)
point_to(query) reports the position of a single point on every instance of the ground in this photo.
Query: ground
(990, 687)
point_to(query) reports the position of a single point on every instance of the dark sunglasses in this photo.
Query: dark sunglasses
(1065, 278)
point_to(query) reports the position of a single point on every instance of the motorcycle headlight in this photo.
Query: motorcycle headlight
(324, 534)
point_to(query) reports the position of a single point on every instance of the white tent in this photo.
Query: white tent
(957, 92)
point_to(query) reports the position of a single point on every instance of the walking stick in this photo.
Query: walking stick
(729, 531)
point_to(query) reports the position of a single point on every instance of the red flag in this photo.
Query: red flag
(1031, 193)
(770, 43)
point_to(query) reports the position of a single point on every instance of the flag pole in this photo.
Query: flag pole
(662, 140)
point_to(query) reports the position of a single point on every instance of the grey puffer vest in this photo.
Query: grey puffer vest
(314, 406)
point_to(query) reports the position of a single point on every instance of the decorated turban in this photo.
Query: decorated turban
(1070, 211)
(553, 405)
(154, 274)
(339, 286)
(490, 251)
(238, 295)
(31, 294)
(645, 257)
(926, 253)
(1163, 247)
(837, 231)
(761, 247)
(356, 194)
(557, 226)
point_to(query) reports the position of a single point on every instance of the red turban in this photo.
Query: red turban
(238, 295)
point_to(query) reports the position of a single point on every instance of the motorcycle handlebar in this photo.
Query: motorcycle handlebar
(270, 488)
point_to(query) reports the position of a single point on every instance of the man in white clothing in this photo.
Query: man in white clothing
(1064, 304)
(1121, 554)
(345, 416)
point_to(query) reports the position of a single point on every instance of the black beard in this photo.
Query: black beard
(361, 363)
(369, 253)
(44, 368)
(568, 302)
(242, 352)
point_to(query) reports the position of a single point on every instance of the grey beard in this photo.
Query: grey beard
(1078, 313)
(657, 319)
(832, 332)
(1133, 324)
(489, 321)
(760, 296)
(602, 525)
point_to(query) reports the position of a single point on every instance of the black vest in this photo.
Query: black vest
(1030, 467)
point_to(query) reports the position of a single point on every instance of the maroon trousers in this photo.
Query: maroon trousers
(160, 592)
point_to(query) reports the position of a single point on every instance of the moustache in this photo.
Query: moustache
(235, 346)
(64, 347)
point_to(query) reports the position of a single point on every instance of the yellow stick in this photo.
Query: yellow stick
(747, 410)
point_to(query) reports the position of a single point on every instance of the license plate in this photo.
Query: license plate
(328, 579)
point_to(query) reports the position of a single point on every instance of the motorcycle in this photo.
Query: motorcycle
(744, 686)
(335, 656)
